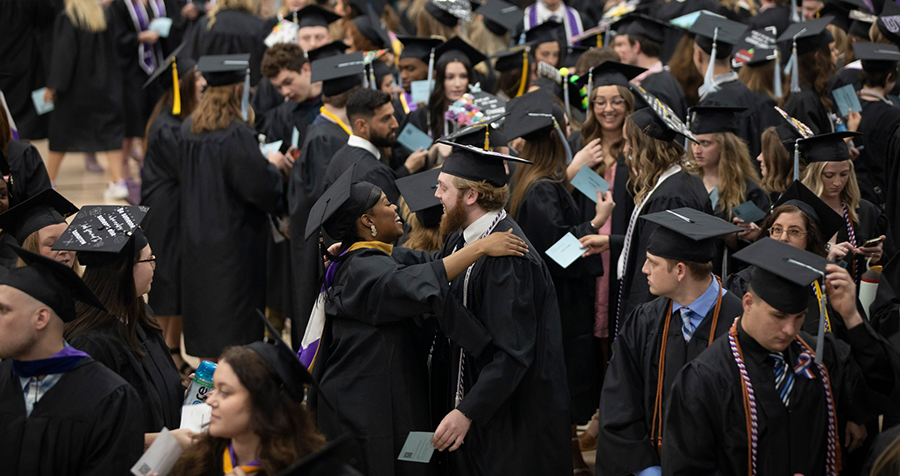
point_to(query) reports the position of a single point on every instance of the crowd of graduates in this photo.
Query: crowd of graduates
(656, 229)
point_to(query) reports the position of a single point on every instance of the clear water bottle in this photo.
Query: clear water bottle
(202, 383)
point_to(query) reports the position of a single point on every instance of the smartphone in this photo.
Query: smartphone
(872, 242)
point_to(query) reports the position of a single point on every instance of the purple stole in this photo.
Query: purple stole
(148, 54)
(571, 21)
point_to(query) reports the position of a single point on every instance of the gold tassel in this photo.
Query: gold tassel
(525, 73)
(176, 103)
(487, 134)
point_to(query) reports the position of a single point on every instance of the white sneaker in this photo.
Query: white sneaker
(116, 191)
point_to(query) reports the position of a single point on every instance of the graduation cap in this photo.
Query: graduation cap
(715, 32)
(645, 27)
(341, 205)
(381, 69)
(686, 234)
(314, 15)
(828, 147)
(485, 133)
(224, 70)
(861, 22)
(173, 64)
(826, 219)
(363, 6)
(335, 48)
(339, 73)
(50, 282)
(418, 191)
(713, 119)
(449, 12)
(100, 233)
(791, 129)
(782, 273)
(338, 458)
(458, 48)
(517, 57)
(44, 209)
(476, 164)
(610, 73)
(532, 116)
(419, 48)
(291, 374)
(658, 120)
(590, 38)
(500, 17)
(877, 57)
(809, 35)
(370, 27)
(888, 22)
(545, 33)
(756, 48)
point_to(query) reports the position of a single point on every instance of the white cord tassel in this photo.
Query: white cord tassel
(245, 97)
(795, 15)
(709, 85)
(797, 160)
(777, 83)
(795, 69)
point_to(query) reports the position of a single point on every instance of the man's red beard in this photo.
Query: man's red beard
(455, 218)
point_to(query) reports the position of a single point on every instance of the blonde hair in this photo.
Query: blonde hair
(736, 5)
(87, 15)
(249, 6)
(591, 128)
(33, 244)
(734, 167)
(650, 158)
(427, 26)
(488, 43)
(420, 237)
(490, 198)
(850, 193)
(218, 107)
(888, 461)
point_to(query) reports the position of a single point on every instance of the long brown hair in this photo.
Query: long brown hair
(284, 426)
(113, 284)
(649, 159)
(815, 72)
(186, 86)
(888, 462)
(218, 107)
(681, 65)
(779, 165)
(760, 79)
(814, 241)
(592, 129)
(548, 155)
(734, 168)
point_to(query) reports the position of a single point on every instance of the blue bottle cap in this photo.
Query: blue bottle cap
(205, 372)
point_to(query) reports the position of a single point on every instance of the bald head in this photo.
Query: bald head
(29, 329)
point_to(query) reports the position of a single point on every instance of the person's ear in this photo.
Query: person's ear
(747, 302)
(41, 318)
(366, 220)
(680, 271)
(471, 197)
(306, 69)
(361, 125)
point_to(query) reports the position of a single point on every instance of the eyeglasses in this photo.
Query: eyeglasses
(616, 103)
(775, 232)
(151, 260)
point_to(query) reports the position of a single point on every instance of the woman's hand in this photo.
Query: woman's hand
(603, 209)
(452, 430)
(839, 250)
(148, 37)
(873, 252)
(49, 95)
(594, 244)
(855, 436)
(282, 162)
(590, 155)
(841, 292)
(750, 230)
(502, 244)
(853, 119)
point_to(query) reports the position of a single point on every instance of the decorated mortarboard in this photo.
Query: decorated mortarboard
(449, 12)
(713, 32)
(100, 233)
(418, 191)
(877, 57)
(314, 15)
(476, 164)
(532, 116)
(888, 22)
(290, 374)
(756, 48)
(686, 234)
(370, 27)
(339, 73)
(500, 17)
(486, 133)
(545, 33)
(341, 205)
(456, 48)
(335, 48)
(826, 219)
(50, 282)
(44, 209)
(224, 70)
(658, 120)
(860, 23)
(419, 48)
(713, 119)
(829, 147)
(791, 129)
(338, 458)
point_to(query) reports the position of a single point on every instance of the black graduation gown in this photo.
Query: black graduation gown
(777, 16)
(234, 31)
(759, 198)
(160, 192)
(679, 190)
(667, 10)
(883, 311)
(664, 86)
(8, 256)
(306, 185)
(138, 101)
(89, 423)
(22, 23)
(878, 123)
(768, 116)
(848, 75)
(28, 172)
(419, 118)
(629, 389)
(266, 97)
(806, 107)
(892, 180)
(736, 94)
(368, 364)
(279, 123)
(227, 189)
(705, 430)
(517, 398)
(548, 212)
(872, 224)
(153, 374)
(368, 168)
(85, 73)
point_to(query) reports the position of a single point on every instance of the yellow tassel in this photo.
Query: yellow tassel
(176, 103)
(525, 73)
(487, 134)
(599, 41)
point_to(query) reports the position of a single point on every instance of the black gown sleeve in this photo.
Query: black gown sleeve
(253, 177)
(113, 444)
(62, 65)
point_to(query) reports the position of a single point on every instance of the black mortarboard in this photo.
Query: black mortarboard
(291, 374)
(726, 33)
(335, 48)
(573, 54)
(609, 73)
(456, 48)
(782, 273)
(370, 27)
(828, 147)
(475, 134)
(51, 283)
(646, 27)
(99, 233)
(811, 35)
(791, 129)
(314, 15)
(713, 119)
(338, 73)
(341, 205)
(449, 12)
(338, 458)
(756, 48)
(418, 191)
(826, 219)
(184, 65)
(44, 209)
(363, 6)
(419, 48)
(658, 120)
(222, 70)
(861, 22)
(381, 70)
(889, 22)
(877, 57)
(500, 17)
(621, 23)
(532, 116)
(476, 164)
(513, 58)
(686, 234)
(546, 32)
(592, 37)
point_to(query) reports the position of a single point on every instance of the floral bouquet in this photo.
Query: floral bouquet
(463, 112)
